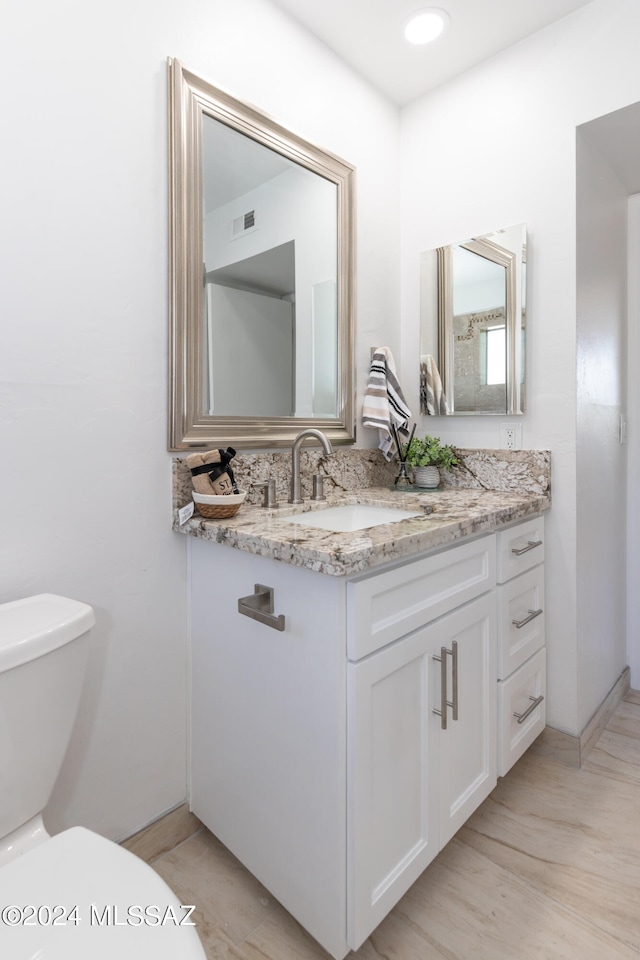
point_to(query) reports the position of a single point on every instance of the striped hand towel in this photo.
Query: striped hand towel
(384, 403)
(432, 398)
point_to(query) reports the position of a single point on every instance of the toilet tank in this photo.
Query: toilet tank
(43, 654)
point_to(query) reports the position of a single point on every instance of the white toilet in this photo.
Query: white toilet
(74, 895)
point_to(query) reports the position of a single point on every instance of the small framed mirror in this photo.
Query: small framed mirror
(261, 279)
(473, 326)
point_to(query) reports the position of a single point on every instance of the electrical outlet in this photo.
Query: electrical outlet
(511, 436)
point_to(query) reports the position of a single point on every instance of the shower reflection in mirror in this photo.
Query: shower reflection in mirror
(473, 320)
(270, 233)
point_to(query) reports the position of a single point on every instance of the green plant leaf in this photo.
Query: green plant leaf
(429, 451)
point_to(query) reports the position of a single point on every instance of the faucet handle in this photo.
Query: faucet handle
(318, 491)
(269, 490)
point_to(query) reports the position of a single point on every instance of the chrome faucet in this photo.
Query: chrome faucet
(296, 492)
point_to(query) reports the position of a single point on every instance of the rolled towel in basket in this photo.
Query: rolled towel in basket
(211, 472)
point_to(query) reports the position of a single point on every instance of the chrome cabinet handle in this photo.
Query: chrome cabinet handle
(530, 546)
(444, 701)
(532, 615)
(521, 717)
(442, 713)
(259, 606)
(454, 669)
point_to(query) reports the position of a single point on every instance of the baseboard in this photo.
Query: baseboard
(592, 731)
(163, 834)
(573, 751)
(558, 746)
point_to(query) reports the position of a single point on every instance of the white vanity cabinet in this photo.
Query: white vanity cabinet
(326, 755)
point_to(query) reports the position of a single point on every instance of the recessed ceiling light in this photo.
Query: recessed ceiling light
(426, 25)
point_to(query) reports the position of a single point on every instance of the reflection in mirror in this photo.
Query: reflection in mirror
(262, 271)
(269, 229)
(473, 319)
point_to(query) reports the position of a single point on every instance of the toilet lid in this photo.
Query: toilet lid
(78, 895)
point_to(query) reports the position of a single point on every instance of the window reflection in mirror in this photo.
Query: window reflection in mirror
(473, 325)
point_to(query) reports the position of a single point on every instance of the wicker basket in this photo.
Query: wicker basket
(213, 507)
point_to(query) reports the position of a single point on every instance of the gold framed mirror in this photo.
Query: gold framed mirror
(262, 260)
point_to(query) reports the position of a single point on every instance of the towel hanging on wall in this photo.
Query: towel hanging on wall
(384, 402)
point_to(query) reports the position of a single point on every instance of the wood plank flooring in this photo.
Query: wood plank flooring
(548, 867)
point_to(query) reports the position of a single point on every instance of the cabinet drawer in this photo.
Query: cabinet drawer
(516, 695)
(384, 607)
(520, 620)
(519, 548)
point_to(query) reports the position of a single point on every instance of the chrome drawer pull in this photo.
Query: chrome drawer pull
(444, 703)
(530, 546)
(259, 606)
(532, 615)
(442, 660)
(521, 717)
(454, 671)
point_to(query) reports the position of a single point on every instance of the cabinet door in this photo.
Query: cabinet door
(467, 748)
(392, 785)
(411, 783)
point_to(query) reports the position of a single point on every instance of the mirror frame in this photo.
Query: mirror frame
(191, 97)
(491, 251)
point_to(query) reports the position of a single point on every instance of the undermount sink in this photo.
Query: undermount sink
(350, 517)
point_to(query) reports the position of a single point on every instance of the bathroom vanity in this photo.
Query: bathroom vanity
(340, 741)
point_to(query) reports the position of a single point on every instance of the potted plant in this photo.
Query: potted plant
(425, 455)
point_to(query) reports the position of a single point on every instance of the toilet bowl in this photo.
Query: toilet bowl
(74, 895)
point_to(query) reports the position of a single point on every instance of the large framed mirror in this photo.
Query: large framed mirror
(473, 326)
(262, 249)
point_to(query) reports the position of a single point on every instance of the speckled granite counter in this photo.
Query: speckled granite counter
(462, 507)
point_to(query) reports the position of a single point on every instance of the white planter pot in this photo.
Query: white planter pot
(427, 477)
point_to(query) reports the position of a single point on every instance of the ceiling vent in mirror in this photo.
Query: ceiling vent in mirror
(244, 224)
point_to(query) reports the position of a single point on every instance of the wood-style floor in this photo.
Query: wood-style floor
(548, 867)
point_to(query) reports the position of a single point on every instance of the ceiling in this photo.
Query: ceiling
(368, 35)
(233, 164)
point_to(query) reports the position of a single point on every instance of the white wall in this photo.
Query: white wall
(498, 147)
(633, 457)
(85, 480)
(601, 460)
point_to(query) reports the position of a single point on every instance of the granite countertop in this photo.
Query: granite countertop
(451, 514)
